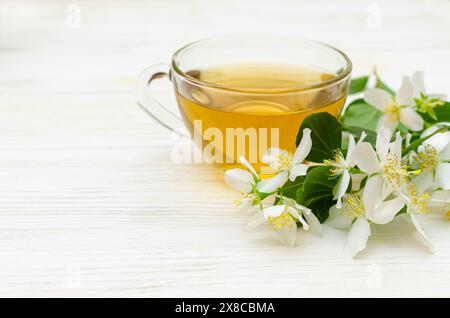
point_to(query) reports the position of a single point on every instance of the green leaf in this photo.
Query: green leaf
(362, 115)
(358, 84)
(402, 128)
(290, 188)
(326, 135)
(344, 145)
(442, 114)
(371, 136)
(317, 192)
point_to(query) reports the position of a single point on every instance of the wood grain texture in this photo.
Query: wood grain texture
(91, 203)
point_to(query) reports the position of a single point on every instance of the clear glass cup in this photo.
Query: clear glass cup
(260, 117)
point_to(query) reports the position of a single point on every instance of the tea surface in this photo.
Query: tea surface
(255, 96)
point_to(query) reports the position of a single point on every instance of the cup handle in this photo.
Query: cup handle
(149, 104)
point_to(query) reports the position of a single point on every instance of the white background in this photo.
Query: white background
(91, 203)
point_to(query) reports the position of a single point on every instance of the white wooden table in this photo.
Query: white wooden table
(90, 202)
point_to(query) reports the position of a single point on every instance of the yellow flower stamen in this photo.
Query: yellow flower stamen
(338, 163)
(352, 206)
(419, 202)
(247, 198)
(280, 221)
(283, 161)
(393, 112)
(394, 172)
(427, 158)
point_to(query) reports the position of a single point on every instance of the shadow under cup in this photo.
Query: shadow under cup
(240, 95)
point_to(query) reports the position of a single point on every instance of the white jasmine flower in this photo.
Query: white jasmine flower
(383, 166)
(418, 83)
(283, 220)
(271, 184)
(421, 233)
(387, 177)
(440, 202)
(395, 110)
(433, 159)
(314, 225)
(242, 180)
(425, 102)
(382, 205)
(245, 182)
(341, 167)
(288, 166)
(418, 203)
(353, 216)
